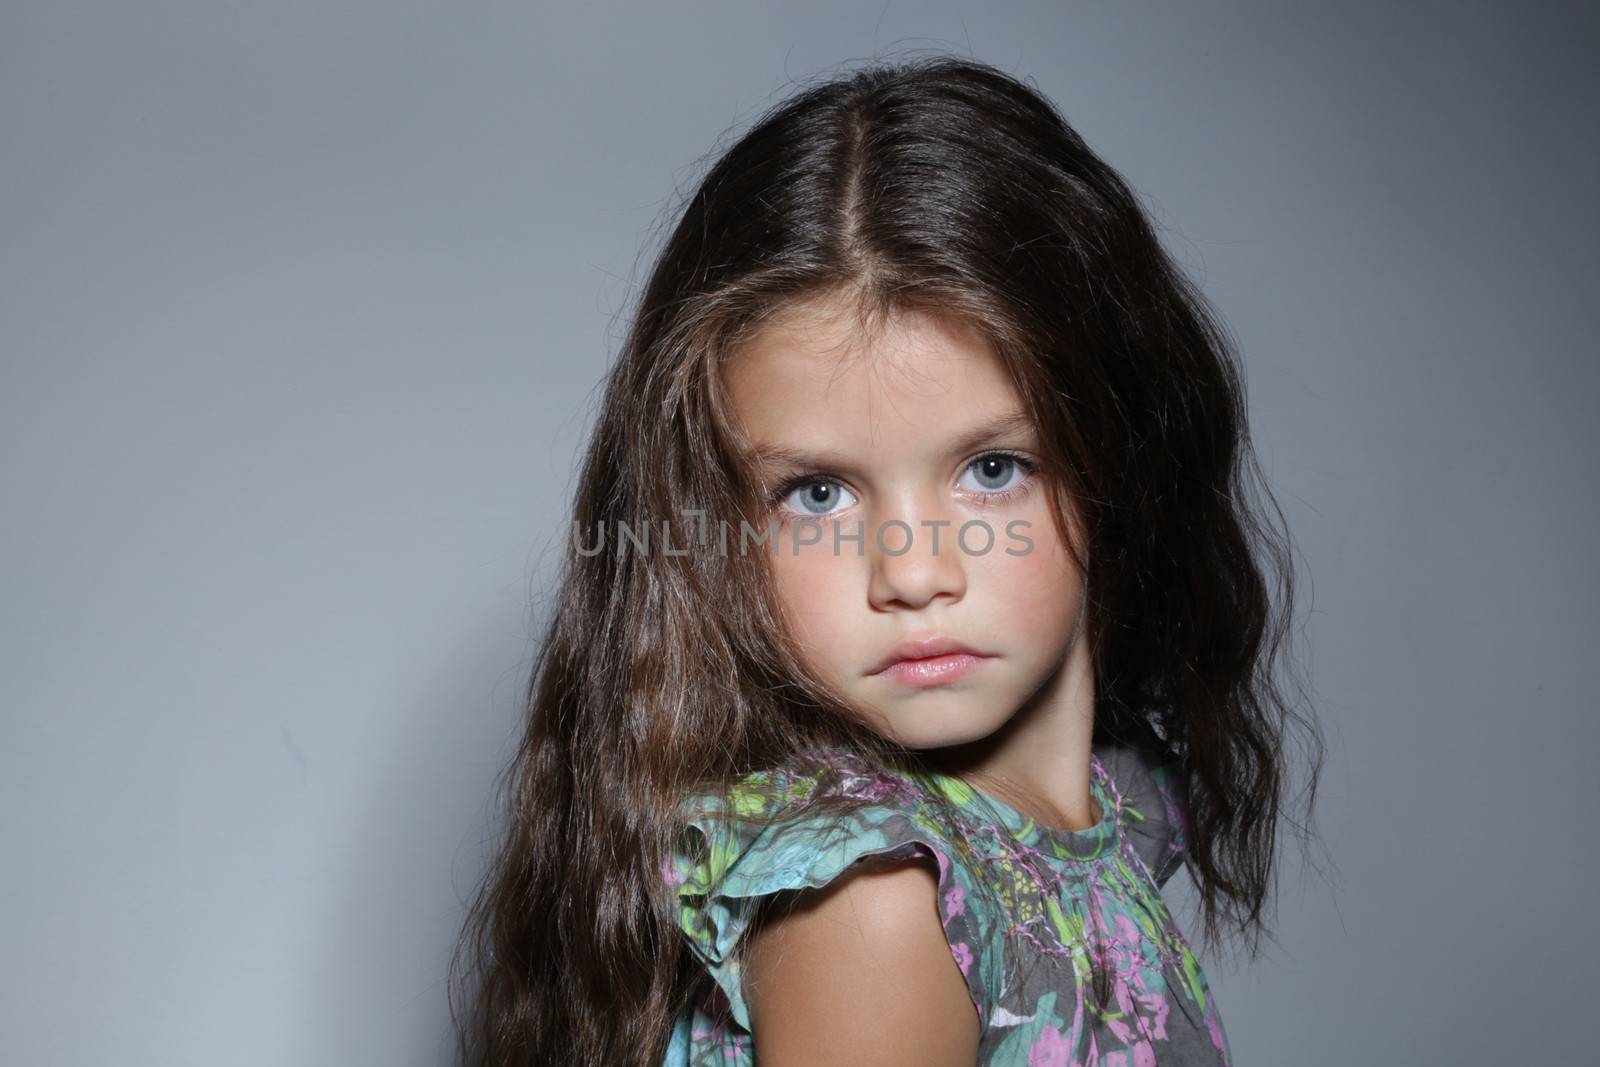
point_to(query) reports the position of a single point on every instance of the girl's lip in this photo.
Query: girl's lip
(930, 646)
(934, 670)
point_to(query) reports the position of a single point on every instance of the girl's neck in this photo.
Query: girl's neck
(1039, 761)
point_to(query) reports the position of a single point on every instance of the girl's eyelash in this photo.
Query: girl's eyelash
(1029, 467)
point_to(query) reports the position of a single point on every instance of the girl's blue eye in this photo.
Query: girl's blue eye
(997, 472)
(1000, 477)
(816, 498)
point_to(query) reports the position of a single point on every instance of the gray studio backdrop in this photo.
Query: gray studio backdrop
(302, 310)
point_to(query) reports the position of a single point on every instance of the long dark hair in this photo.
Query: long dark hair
(936, 184)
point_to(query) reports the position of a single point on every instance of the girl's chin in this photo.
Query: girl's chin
(944, 730)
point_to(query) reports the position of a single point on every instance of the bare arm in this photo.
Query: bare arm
(859, 972)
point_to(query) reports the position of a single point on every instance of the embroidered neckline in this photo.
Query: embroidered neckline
(1053, 844)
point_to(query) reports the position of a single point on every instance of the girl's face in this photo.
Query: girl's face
(916, 458)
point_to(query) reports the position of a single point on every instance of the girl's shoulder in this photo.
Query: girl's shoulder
(776, 832)
(774, 826)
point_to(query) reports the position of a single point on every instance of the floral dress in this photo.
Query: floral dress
(1061, 907)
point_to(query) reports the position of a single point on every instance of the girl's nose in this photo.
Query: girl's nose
(914, 561)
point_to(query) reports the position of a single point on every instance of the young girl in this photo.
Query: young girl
(914, 629)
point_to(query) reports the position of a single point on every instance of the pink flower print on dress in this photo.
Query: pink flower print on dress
(1127, 932)
(1139, 1055)
(963, 955)
(955, 901)
(1127, 1028)
(1050, 1049)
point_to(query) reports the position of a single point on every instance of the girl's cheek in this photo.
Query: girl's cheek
(1042, 587)
(816, 588)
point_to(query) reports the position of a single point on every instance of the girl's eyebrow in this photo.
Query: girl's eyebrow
(774, 455)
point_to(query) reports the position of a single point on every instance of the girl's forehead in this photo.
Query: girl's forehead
(793, 421)
(818, 363)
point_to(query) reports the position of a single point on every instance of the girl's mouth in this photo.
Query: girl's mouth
(933, 670)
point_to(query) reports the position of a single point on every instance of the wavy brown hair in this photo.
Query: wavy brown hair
(937, 184)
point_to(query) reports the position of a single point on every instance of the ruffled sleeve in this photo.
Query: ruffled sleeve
(725, 869)
(1154, 806)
